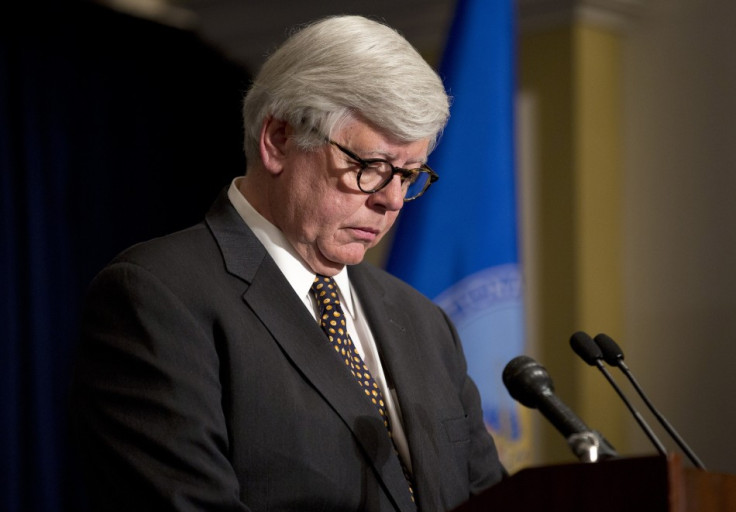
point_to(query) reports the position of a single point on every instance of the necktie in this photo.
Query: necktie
(332, 321)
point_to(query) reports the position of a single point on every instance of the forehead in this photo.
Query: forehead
(369, 141)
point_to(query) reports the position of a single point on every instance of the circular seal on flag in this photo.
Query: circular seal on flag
(487, 310)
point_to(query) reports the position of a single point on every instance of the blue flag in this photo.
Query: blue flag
(458, 243)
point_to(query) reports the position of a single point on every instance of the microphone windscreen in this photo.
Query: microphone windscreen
(585, 347)
(525, 379)
(612, 353)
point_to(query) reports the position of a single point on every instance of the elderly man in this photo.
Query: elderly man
(252, 362)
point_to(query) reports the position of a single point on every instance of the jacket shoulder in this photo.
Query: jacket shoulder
(172, 250)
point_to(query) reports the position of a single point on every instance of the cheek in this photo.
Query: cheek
(335, 208)
(321, 216)
(305, 201)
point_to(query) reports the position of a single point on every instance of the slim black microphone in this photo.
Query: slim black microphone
(529, 383)
(614, 356)
(585, 347)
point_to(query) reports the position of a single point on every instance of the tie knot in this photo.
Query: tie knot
(325, 291)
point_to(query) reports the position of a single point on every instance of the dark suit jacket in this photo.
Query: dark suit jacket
(203, 383)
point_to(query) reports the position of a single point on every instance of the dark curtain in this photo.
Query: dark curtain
(112, 130)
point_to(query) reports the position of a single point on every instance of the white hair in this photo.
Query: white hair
(346, 67)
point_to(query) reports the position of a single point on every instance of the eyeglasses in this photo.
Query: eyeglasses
(376, 173)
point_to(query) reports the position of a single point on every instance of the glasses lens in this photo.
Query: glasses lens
(374, 176)
(416, 185)
(377, 175)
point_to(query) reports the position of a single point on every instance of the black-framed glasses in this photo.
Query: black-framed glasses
(376, 173)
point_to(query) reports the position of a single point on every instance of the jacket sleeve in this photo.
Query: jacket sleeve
(484, 467)
(146, 400)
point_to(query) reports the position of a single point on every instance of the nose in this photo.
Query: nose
(390, 197)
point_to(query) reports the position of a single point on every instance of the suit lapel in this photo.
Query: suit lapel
(271, 298)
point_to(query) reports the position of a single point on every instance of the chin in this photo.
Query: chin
(348, 259)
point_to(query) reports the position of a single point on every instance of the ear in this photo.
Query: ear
(274, 135)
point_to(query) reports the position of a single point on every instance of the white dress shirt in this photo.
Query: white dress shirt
(300, 277)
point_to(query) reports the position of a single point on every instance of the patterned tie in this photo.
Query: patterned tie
(332, 321)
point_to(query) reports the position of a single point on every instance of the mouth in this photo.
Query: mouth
(365, 234)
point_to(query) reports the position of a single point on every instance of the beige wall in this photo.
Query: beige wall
(633, 227)
(572, 257)
(680, 218)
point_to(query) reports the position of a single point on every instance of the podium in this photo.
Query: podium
(651, 484)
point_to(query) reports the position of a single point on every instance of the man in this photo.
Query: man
(210, 376)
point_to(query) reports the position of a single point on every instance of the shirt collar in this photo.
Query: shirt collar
(296, 271)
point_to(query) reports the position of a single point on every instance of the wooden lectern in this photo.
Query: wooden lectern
(646, 484)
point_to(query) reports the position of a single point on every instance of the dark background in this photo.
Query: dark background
(113, 130)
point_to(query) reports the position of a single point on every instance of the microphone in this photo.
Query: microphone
(614, 356)
(585, 347)
(529, 383)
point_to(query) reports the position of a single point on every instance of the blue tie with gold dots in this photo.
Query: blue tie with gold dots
(332, 321)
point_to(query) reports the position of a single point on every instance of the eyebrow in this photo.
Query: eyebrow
(388, 157)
